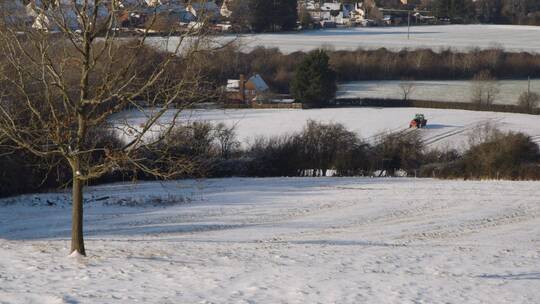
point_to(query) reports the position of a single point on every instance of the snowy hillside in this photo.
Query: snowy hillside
(282, 240)
(437, 37)
(459, 37)
(446, 128)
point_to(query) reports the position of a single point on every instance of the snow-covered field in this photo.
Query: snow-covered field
(446, 128)
(455, 91)
(281, 240)
(458, 37)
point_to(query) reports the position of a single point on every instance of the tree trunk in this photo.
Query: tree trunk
(77, 240)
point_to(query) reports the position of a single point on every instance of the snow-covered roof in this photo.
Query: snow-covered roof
(207, 8)
(330, 6)
(233, 85)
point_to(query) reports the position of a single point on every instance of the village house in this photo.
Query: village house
(331, 14)
(164, 15)
(246, 91)
(205, 9)
(225, 9)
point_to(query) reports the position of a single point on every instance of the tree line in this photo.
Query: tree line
(279, 69)
(319, 149)
(525, 12)
(283, 15)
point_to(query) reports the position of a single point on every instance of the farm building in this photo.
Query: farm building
(246, 91)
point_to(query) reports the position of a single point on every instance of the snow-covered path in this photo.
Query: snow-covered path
(280, 240)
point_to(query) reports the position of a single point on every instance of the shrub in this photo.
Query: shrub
(323, 146)
(275, 156)
(399, 151)
(503, 156)
(528, 101)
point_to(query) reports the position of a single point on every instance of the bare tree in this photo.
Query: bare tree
(483, 132)
(484, 88)
(226, 138)
(407, 89)
(63, 84)
(322, 144)
(529, 101)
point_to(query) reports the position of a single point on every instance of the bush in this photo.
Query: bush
(498, 156)
(313, 151)
(399, 151)
(22, 172)
(504, 156)
(327, 146)
(275, 156)
(529, 101)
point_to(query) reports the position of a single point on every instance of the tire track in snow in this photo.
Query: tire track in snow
(458, 130)
(512, 216)
(536, 139)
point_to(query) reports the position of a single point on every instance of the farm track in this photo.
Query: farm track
(468, 127)
(509, 217)
(536, 139)
(435, 138)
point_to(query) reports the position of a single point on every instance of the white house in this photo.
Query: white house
(330, 12)
(225, 9)
(207, 9)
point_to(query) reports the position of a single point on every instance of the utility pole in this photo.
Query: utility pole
(409, 25)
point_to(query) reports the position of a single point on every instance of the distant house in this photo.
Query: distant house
(208, 10)
(161, 18)
(358, 13)
(339, 13)
(48, 15)
(246, 91)
(329, 14)
(225, 10)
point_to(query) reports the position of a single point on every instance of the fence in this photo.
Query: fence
(399, 103)
(294, 105)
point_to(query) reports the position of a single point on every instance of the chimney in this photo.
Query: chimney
(242, 87)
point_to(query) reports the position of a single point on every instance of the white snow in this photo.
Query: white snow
(76, 255)
(280, 240)
(458, 37)
(437, 37)
(435, 90)
(446, 128)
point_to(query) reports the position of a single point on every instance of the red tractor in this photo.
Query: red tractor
(419, 121)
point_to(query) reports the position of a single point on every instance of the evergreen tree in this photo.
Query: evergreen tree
(463, 10)
(261, 13)
(314, 82)
(266, 15)
(286, 12)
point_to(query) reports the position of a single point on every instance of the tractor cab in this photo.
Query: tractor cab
(419, 121)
